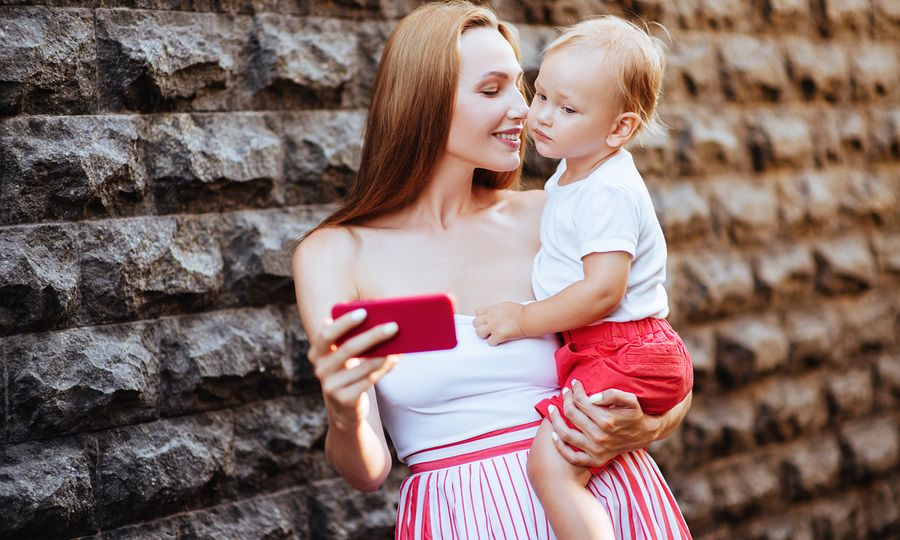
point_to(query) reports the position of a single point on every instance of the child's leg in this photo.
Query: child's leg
(573, 511)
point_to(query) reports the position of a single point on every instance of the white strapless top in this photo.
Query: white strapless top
(441, 397)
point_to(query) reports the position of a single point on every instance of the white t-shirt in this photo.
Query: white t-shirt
(610, 210)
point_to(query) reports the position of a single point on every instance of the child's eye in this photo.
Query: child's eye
(541, 96)
(569, 110)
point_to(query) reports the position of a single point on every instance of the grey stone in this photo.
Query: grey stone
(811, 466)
(746, 209)
(303, 376)
(222, 358)
(808, 200)
(850, 394)
(307, 62)
(148, 470)
(683, 213)
(846, 17)
(45, 490)
(887, 249)
(872, 446)
(70, 168)
(789, 408)
(874, 69)
(712, 285)
(870, 197)
(844, 265)
(870, 323)
(752, 69)
(155, 61)
(779, 138)
(340, 512)
(820, 69)
(742, 487)
(748, 348)
(812, 334)
(47, 66)
(257, 248)
(273, 439)
(785, 272)
(707, 142)
(718, 426)
(207, 163)
(323, 153)
(692, 71)
(148, 267)
(38, 278)
(81, 379)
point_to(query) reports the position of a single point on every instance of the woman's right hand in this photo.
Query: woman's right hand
(345, 378)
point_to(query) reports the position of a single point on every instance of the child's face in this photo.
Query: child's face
(575, 105)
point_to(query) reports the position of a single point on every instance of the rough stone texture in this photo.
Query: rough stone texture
(158, 159)
(70, 168)
(48, 61)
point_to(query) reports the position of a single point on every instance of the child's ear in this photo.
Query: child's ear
(624, 128)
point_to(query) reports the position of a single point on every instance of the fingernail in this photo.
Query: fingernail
(552, 409)
(574, 382)
(554, 436)
(358, 315)
(390, 328)
(596, 397)
(565, 390)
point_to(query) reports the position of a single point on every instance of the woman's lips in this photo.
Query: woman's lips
(509, 139)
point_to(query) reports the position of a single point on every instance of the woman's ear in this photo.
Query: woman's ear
(624, 128)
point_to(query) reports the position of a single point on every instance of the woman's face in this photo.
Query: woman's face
(489, 113)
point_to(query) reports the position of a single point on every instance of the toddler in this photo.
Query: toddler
(598, 277)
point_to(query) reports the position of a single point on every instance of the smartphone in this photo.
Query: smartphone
(425, 323)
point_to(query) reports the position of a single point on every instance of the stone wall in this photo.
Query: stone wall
(157, 157)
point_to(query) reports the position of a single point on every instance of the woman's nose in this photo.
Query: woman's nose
(518, 109)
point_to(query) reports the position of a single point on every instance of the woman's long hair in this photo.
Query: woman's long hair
(412, 106)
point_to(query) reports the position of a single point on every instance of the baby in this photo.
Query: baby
(598, 277)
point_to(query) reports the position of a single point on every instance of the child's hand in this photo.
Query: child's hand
(499, 323)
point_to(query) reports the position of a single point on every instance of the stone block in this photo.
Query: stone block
(306, 62)
(340, 512)
(652, 152)
(45, 490)
(302, 373)
(711, 285)
(718, 426)
(809, 199)
(881, 507)
(683, 213)
(886, 18)
(846, 17)
(785, 272)
(812, 335)
(695, 497)
(701, 345)
(869, 197)
(707, 143)
(323, 152)
(143, 267)
(746, 209)
(819, 69)
(692, 71)
(790, 408)
(885, 133)
(749, 348)
(779, 139)
(869, 323)
(81, 379)
(887, 252)
(727, 15)
(752, 69)
(152, 61)
(887, 377)
(269, 517)
(844, 265)
(209, 163)
(744, 486)
(221, 359)
(38, 278)
(842, 137)
(838, 517)
(48, 61)
(850, 393)
(874, 71)
(70, 168)
(273, 439)
(871, 447)
(787, 15)
(810, 467)
(149, 470)
(257, 248)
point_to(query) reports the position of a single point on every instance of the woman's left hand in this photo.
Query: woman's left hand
(609, 425)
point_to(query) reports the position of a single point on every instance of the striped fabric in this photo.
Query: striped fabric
(482, 491)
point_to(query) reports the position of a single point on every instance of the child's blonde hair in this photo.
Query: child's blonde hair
(637, 62)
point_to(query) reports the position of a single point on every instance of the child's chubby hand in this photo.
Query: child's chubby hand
(499, 323)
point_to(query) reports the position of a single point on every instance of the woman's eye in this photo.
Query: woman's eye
(490, 92)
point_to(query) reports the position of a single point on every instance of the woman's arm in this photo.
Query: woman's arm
(355, 444)
(609, 424)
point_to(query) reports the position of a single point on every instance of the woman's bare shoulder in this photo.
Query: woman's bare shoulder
(329, 247)
(529, 202)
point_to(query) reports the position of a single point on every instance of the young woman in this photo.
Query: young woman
(431, 210)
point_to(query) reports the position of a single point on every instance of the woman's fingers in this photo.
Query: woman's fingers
(331, 332)
(345, 387)
(567, 434)
(336, 360)
(587, 424)
(574, 457)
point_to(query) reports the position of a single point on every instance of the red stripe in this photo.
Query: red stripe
(462, 459)
(426, 515)
(518, 502)
(472, 500)
(494, 433)
(530, 494)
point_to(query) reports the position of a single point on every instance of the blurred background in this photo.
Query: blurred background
(159, 157)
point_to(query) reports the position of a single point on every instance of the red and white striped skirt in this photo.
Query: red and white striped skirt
(478, 488)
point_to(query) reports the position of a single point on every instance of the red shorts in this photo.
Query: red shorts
(645, 357)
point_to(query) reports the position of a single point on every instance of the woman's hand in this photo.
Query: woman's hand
(346, 379)
(610, 423)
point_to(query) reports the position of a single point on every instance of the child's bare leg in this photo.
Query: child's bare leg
(573, 511)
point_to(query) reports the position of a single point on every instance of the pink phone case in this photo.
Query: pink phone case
(425, 323)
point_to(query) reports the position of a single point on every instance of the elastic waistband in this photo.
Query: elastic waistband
(608, 330)
(487, 445)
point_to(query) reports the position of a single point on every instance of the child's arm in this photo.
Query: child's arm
(579, 304)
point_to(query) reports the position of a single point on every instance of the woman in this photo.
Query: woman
(430, 210)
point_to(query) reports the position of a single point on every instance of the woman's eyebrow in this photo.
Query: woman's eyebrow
(500, 74)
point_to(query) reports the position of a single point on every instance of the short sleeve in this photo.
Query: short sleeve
(607, 220)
